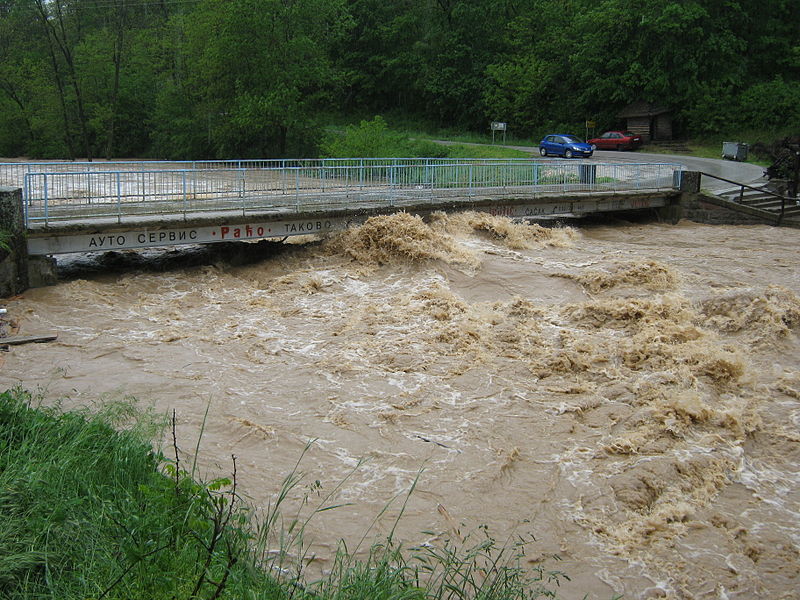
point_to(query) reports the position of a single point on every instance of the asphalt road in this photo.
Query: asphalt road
(735, 171)
(728, 169)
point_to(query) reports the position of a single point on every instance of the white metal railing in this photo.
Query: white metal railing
(301, 186)
(12, 173)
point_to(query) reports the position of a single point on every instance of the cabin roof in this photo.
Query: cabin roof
(642, 109)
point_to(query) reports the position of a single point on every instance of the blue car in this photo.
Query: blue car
(561, 144)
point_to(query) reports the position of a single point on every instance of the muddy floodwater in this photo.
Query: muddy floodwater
(629, 394)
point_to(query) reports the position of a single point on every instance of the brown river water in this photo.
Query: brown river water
(627, 393)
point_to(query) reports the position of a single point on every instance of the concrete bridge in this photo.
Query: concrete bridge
(97, 206)
(79, 207)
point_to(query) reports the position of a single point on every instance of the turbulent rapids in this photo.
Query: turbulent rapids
(627, 393)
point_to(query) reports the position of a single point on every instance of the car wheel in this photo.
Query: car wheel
(543, 151)
(619, 147)
(567, 153)
(594, 147)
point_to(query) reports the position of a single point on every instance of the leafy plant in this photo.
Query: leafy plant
(370, 139)
(5, 239)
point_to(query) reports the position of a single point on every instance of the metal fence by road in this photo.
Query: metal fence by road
(12, 173)
(123, 190)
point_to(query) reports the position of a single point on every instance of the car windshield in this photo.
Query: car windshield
(571, 139)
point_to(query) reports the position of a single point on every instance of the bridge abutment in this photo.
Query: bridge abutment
(18, 270)
(702, 207)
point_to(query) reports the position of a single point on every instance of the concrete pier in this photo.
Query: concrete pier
(18, 270)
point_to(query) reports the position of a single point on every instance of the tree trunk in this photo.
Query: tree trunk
(117, 67)
(11, 93)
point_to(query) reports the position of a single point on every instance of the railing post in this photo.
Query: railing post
(470, 180)
(297, 189)
(46, 201)
(391, 183)
(183, 186)
(24, 202)
(426, 177)
(242, 188)
(119, 198)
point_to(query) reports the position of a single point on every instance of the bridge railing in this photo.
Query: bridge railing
(53, 196)
(12, 173)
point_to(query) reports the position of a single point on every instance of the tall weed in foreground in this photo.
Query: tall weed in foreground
(458, 570)
(462, 568)
(90, 511)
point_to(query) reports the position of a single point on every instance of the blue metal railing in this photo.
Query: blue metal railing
(90, 192)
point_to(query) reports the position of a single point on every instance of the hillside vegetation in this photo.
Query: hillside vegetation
(235, 78)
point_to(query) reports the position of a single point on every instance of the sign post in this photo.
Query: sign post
(589, 125)
(498, 126)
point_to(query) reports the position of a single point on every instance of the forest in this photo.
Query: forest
(187, 79)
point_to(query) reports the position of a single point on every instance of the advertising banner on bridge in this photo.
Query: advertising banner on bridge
(150, 238)
(46, 243)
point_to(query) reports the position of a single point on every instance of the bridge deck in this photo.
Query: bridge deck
(52, 196)
(105, 233)
(105, 215)
(69, 208)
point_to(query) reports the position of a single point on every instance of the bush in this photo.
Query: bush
(772, 104)
(373, 139)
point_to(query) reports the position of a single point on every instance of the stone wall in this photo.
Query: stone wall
(706, 208)
(14, 264)
(18, 271)
(715, 211)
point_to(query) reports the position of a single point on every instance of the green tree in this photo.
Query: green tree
(258, 70)
(30, 120)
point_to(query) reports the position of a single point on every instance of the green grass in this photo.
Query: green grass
(400, 137)
(710, 146)
(89, 511)
(480, 151)
(703, 149)
(376, 139)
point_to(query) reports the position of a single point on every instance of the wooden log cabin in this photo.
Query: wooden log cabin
(651, 121)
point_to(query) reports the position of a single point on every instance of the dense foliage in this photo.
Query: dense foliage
(224, 78)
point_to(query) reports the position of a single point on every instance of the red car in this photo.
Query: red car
(616, 140)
